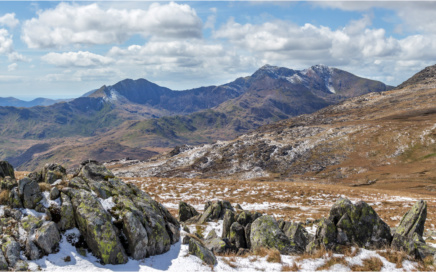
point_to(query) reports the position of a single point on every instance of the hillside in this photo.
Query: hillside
(386, 137)
(14, 102)
(141, 118)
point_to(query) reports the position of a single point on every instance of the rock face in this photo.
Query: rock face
(6, 170)
(408, 234)
(214, 211)
(198, 249)
(103, 208)
(265, 232)
(186, 211)
(349, 224)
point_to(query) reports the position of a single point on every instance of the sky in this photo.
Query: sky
(65, 49)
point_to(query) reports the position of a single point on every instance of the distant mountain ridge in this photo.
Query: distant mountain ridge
(14, 102)
(142, 118)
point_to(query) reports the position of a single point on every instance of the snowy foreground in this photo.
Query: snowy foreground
(178, 259)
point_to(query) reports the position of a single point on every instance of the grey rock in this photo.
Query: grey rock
(6, 170)
(325, 236)
(67, 220)
(218, 245)
(29, 192)
(186, 211)
(196, 248)
(211, 235)
(14, 199)
(237, 235)
(185, 240)
(54, 193)
(21, 266)
(136, 235)
(297, 234)
(11, 250)
(266, 233)
(229, 219)
(247, 230)
(47, 237)
(244, 218)
(32, 252)
(3, 262)
(52, 172)
(30, 223)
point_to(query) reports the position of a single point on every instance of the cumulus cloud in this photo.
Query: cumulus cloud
(72, 24)
(91, 74)
(6, 43)
(12, 67)
(9, 20)
(76, 59)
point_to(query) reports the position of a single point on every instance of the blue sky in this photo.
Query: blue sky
(60, 50)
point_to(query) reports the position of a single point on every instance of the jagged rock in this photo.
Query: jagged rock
(198, 249)
(296, 233)
(92, 170)
(136, 235)
(214, 211)
(186, 211)
(244, 218)
(325, 236)
(67, 220)
(14, 199)
(238, 207)
(47, 237)
(359, 224)
(229, 219)
(11, 250)
(54, 193)
(32, 252)
(30, 223)
(408, 234)
(186, 229)
(266, 233)
(52, 172)
(3, 262)
(237, 235)
(7, 183)
(78, 183)
(211, 235)
(218, 245)
(247, 230)
(6, 170)
(29, 192)
(95, 225)
(15, 214)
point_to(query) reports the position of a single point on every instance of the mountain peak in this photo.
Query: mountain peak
(426, 76)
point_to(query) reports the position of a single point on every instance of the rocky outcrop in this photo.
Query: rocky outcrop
(103, 208)
(349, 224)
(214, 211)
(186, 211)
(408, 234)
(6, 170)
(265, 232)
(197, 248)
(296, 233)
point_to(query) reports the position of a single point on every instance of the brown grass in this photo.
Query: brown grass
(230, 262)
(272, 255)
(371, 264)
(293, 267)
(321, 253)
(199, 230)
(427, 264)
(44, 187)
(4, 197)
(393, 256)
(332, 261)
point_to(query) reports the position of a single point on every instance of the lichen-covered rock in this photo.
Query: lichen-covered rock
(186, 211)
(247, 231)
(47, 237)
(21, 266)
(29, 192)
(244, 218)
(52, 172)
(11, 250)
(297, 234)
(266, 233)
(136, 235)
(408, 234)
(197, 248)
(6, 170)
(359, 224)
(54, 193)
(211, 235)
(325, 236)
(95, 225)
(14, 199)
(67, 220)
(32, 252)
(214, 211)
(3, 262)
(7, 183)
(30, 223)
(92, 170)
(237, 235)
(229, 219)
(218, 245)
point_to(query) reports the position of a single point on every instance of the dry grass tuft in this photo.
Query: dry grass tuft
(44, 187)
(199, 230)
(371, 264)
(393, 256)
(332, 261)
(272, 255)
(320, 253)
(293, 267)
(230, 262)
(4, 197)
(427, 264)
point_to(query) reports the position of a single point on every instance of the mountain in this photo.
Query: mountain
(139, 118)
(14, 102)
(387, 137)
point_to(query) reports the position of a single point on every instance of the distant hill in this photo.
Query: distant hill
(14, 102)
(140, 118)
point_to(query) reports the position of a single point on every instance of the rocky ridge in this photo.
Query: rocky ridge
(114, 220)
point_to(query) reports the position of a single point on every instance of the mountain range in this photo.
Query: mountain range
(139, 119)
(14, 102)
(387, 137)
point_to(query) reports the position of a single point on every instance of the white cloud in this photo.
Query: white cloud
(72, 24)
(6, 44)
(14, 56)
(9, 20)
(12, 67)
(92, 74)
(76, 59)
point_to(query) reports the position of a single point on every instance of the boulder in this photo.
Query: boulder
(197, 248)
(237, 235)
(29, 192)
(408, 234)
(137, 237)
(14, 199)
(6, 170)
(67, 220)
(47, 237)
(244, 218)
(186, 211)
(211, 235)
(7, 183)
(21, 266)
(52, 172)
(93, 171)
(3, 262)
(11, 250)
(265, 232)
(95, 225)
(325, 237)
(229, 219)
(247, 231)
(218, 245)
(214, 211)
(297, 234)
(32, 252)
(54, 193)
(31, 223)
